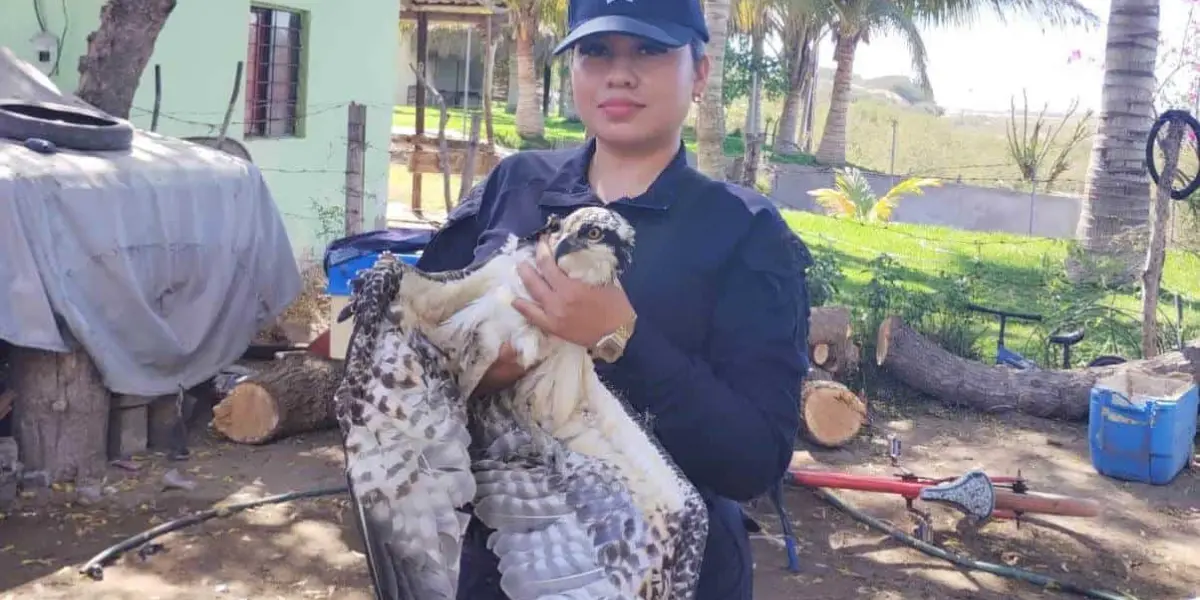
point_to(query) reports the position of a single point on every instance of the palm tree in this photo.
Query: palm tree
(1117, 188)
(803, 23)
(857, 20)
(710, 124)
(525, 17)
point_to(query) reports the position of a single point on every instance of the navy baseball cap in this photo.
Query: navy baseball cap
(672, 23)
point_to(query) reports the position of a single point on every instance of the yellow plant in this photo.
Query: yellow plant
(853, 197)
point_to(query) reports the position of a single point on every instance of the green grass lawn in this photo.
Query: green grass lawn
(935, 265)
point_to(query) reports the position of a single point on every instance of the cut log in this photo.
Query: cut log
(829, 338)
(289, 397)
(820, 354)
(61, 413)
(924, 366)
(832, 414)
(828, 324)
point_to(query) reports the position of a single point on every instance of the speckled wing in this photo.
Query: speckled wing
(404, 428)
(565, 524)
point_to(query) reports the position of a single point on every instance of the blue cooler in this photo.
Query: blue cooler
(345, 257)
(1142, 427)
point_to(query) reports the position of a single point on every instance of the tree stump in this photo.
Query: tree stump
(61, 412)
(832, 414)
(291, 396)
(926, 367)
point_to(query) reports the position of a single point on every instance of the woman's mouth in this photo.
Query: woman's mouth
(620, 109)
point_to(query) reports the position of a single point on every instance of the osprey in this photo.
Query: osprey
(584, 502)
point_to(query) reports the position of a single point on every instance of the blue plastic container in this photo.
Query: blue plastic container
(340, 274)
(349, 255)
(1141, 427)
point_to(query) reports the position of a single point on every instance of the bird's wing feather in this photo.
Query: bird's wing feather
(404, 431)
(565, 526)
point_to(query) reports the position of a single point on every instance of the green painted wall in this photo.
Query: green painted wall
(350, 56)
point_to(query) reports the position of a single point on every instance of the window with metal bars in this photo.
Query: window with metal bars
(273, 72)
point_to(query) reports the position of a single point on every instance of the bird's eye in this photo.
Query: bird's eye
(593, 234)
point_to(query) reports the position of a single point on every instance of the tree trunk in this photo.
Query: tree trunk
(752, 129)
(1156, 252)
(530, 124)
(810, 98)
(832, 149)
(61, 412)
(710, 123)
(927, 368)
(291, 396)
(1117, 189)
(117, 53)
(789, 118)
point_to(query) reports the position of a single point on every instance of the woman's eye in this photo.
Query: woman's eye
(653, 49)
(592, 49)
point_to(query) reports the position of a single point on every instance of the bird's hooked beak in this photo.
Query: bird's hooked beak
(566, 246)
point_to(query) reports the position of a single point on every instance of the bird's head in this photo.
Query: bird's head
(592, 244)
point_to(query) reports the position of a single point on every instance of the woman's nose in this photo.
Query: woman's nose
(622, 73)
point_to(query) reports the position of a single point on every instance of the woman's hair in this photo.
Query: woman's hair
(697, 48)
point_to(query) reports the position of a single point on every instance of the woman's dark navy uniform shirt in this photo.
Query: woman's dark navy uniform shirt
(719, 349)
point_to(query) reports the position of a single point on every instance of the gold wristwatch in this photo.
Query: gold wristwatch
(612, 346)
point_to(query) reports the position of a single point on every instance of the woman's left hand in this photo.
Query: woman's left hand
(567, 308)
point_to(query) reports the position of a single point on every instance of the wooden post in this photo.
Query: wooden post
(489, 71)
(1156, 252)
(61, 413)
(356, 143)
(422, 59)
(233, 97)
(468, 168)
(157, 97)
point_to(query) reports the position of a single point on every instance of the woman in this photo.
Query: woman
(709, 325)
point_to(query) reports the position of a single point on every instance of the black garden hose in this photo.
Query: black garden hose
(1044, 581)
(94, 568)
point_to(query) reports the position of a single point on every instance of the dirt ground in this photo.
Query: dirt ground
(309, 549)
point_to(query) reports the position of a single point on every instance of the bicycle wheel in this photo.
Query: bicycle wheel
(1190, 122)
(1046, 504)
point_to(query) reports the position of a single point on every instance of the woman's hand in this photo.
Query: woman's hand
(504, 372)
(572, 310)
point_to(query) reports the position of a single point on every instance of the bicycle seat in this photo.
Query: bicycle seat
(1069, 338)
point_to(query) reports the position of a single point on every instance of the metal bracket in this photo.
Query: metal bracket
(973, 494)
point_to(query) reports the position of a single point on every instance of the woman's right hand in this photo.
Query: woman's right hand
(504, 372)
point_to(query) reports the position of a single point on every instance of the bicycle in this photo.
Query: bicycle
(1066, 339)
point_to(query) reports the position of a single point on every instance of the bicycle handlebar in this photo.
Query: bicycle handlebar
(1004, 313)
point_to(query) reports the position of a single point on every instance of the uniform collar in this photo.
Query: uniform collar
(569, 186)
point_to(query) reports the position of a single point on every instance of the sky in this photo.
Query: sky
(983, 67)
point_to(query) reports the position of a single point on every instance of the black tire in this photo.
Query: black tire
(1107, 360)
(65, 126)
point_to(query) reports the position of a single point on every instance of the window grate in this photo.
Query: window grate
(273, 73)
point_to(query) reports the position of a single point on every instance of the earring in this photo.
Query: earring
(696, 98)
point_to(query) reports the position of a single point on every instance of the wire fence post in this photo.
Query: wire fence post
(1032, 197)
(892, 164)
(356, 142)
